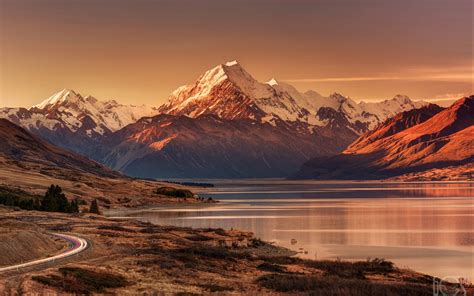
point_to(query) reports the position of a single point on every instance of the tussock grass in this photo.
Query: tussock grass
(333, 285)
(82, 281)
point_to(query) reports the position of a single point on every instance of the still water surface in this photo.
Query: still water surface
(428, 227)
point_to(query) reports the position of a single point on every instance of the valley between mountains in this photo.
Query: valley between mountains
(229, 125)
(225, 125)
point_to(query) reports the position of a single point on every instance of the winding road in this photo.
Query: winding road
(77, 245)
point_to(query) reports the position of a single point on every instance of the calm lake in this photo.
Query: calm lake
(427, 227)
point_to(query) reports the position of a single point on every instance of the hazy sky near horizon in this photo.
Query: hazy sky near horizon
(138, 51)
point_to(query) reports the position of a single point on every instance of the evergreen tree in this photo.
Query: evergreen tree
(63, 203)
(50, 200)
(74, 207)
(55, 201)
(9, 201)
(36, 204)
(26, 204)
(94, 208)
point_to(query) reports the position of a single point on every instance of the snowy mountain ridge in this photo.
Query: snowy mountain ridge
(230, 92)
(68, 109)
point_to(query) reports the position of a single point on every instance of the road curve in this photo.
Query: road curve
(77, 245)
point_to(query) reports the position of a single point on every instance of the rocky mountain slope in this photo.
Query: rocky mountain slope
(207, 146)
(226, 124)
(230, 92)
(72, 121)
(420, 140)
(31, 164)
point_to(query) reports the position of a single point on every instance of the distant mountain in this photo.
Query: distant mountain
(396, 124)
(412, 142)
(167, 146)
(226, 124)
(230, 92)
(32, 164)
(74, 122)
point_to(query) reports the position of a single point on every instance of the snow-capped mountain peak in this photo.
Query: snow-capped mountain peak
(230, 92)
(402, 98)
(59, 97)
(67, 109)
(221, 90)
(232, 63)
(272, 82)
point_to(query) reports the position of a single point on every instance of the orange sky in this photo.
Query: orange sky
(138, 51)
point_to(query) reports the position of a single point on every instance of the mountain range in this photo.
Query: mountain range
(415, 141)
(230, 92)
(225, 124)
(74, 122)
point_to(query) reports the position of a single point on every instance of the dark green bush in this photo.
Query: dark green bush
(115, 228)
(53, 201)
(271, 267)
(94, 208)
(175, 192)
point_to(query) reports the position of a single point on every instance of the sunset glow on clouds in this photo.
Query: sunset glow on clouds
(461, 74)
(140, 51)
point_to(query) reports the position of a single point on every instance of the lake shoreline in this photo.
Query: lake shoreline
(197, 261)
(165, 258)
(424, 226)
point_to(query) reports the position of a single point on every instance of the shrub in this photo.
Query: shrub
(82, 281)
(53, 201)
(271, 267)
(332, 285)
(220, 231)
(115, 228)
(215, 288)
(198, 238)
(171, 191)
(94, 208)
(357, 269)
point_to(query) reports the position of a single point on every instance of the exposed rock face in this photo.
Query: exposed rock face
(412, 142)
(74, 122)
(226, 124)
(208, 146)
(230, 92)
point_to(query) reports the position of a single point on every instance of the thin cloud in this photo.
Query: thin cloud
(450, 96)
(450, 74)
(468, 77)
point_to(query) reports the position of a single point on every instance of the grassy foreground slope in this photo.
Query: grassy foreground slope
(31, 164)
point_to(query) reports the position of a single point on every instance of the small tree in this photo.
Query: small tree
(75, 206)
(94, 208)
(55, 201)
(36, 204)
